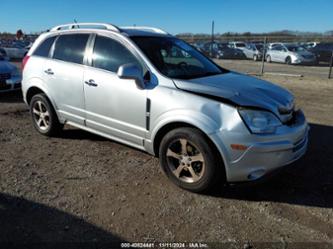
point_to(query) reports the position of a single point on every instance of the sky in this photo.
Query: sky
(174, 16)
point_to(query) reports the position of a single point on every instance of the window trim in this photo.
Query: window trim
(85, 49)
(40, 43)
(123, 42)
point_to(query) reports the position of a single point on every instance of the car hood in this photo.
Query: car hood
(242, 90)
(6, 67)
(306, 53)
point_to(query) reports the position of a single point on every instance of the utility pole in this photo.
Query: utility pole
(263, 56)
(331, 64)
(211, 46)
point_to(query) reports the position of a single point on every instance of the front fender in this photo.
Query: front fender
(193, 118)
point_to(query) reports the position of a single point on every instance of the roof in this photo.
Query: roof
(130, 31)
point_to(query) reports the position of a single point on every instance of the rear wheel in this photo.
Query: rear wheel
(43, 115)
(190, 160)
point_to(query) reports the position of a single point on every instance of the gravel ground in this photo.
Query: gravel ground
(80, 187)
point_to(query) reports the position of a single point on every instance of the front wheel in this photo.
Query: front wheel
(190, 160)
(288, 60)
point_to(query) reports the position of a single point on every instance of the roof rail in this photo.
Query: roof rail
(145, 28)
(80, 25)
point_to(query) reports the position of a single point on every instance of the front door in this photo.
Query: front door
(114, 106)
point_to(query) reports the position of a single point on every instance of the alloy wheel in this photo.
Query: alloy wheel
(41, 115)
(185, 160)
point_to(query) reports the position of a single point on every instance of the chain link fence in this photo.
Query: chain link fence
(321, 69)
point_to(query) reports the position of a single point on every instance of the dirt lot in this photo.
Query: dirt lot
(252, 67)
(81, 187)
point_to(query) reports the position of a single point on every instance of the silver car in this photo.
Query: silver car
(253, 51)
(206, 124)
(290, 54)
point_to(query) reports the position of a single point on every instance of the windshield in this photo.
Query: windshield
(175, 58)
(259, 46)
(240, 45)
(295, 48)
(223, 45)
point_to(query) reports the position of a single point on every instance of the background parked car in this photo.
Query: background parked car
(10, 76)
(222, 51)
(322, 51)
(198, 46)
(3, 54)
(290, 54)
(270, 45)
(253, 51)
(309, 45)
(15, 51)
(238, 45)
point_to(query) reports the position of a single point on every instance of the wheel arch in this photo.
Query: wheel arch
(181, 124)
(33, 90)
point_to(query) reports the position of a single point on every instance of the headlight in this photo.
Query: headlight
(260, 122)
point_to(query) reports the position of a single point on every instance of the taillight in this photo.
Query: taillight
(25, 61)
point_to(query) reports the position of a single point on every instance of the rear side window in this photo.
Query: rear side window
(71, 48)
(110, 54)
(43, 49)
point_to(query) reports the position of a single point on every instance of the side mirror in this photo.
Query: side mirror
(132, 71)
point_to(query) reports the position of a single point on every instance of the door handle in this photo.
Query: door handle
(49, 71)
(91, 83)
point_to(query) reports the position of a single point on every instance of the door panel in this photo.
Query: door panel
(66, 88)
(115, 106)
(64, 75)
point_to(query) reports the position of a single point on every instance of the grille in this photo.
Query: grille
(17, 85)
(4, 76)
(293, 119)
(4, 86)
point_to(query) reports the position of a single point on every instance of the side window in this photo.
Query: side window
(71, 48)
(44, 48)
(110, 55)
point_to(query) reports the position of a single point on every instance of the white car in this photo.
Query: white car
(290, 54)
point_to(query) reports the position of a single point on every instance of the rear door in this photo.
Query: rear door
(64, 76)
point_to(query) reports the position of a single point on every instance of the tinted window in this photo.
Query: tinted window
(277, 47)
(44, 48)
(175, 58)
(71, 48)
(110, 54)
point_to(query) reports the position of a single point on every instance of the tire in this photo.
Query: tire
(44, 117)
(288, 60)
(255, 57)
(268, 59)
(190, 160)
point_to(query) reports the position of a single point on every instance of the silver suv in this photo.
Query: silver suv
(134, 85)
